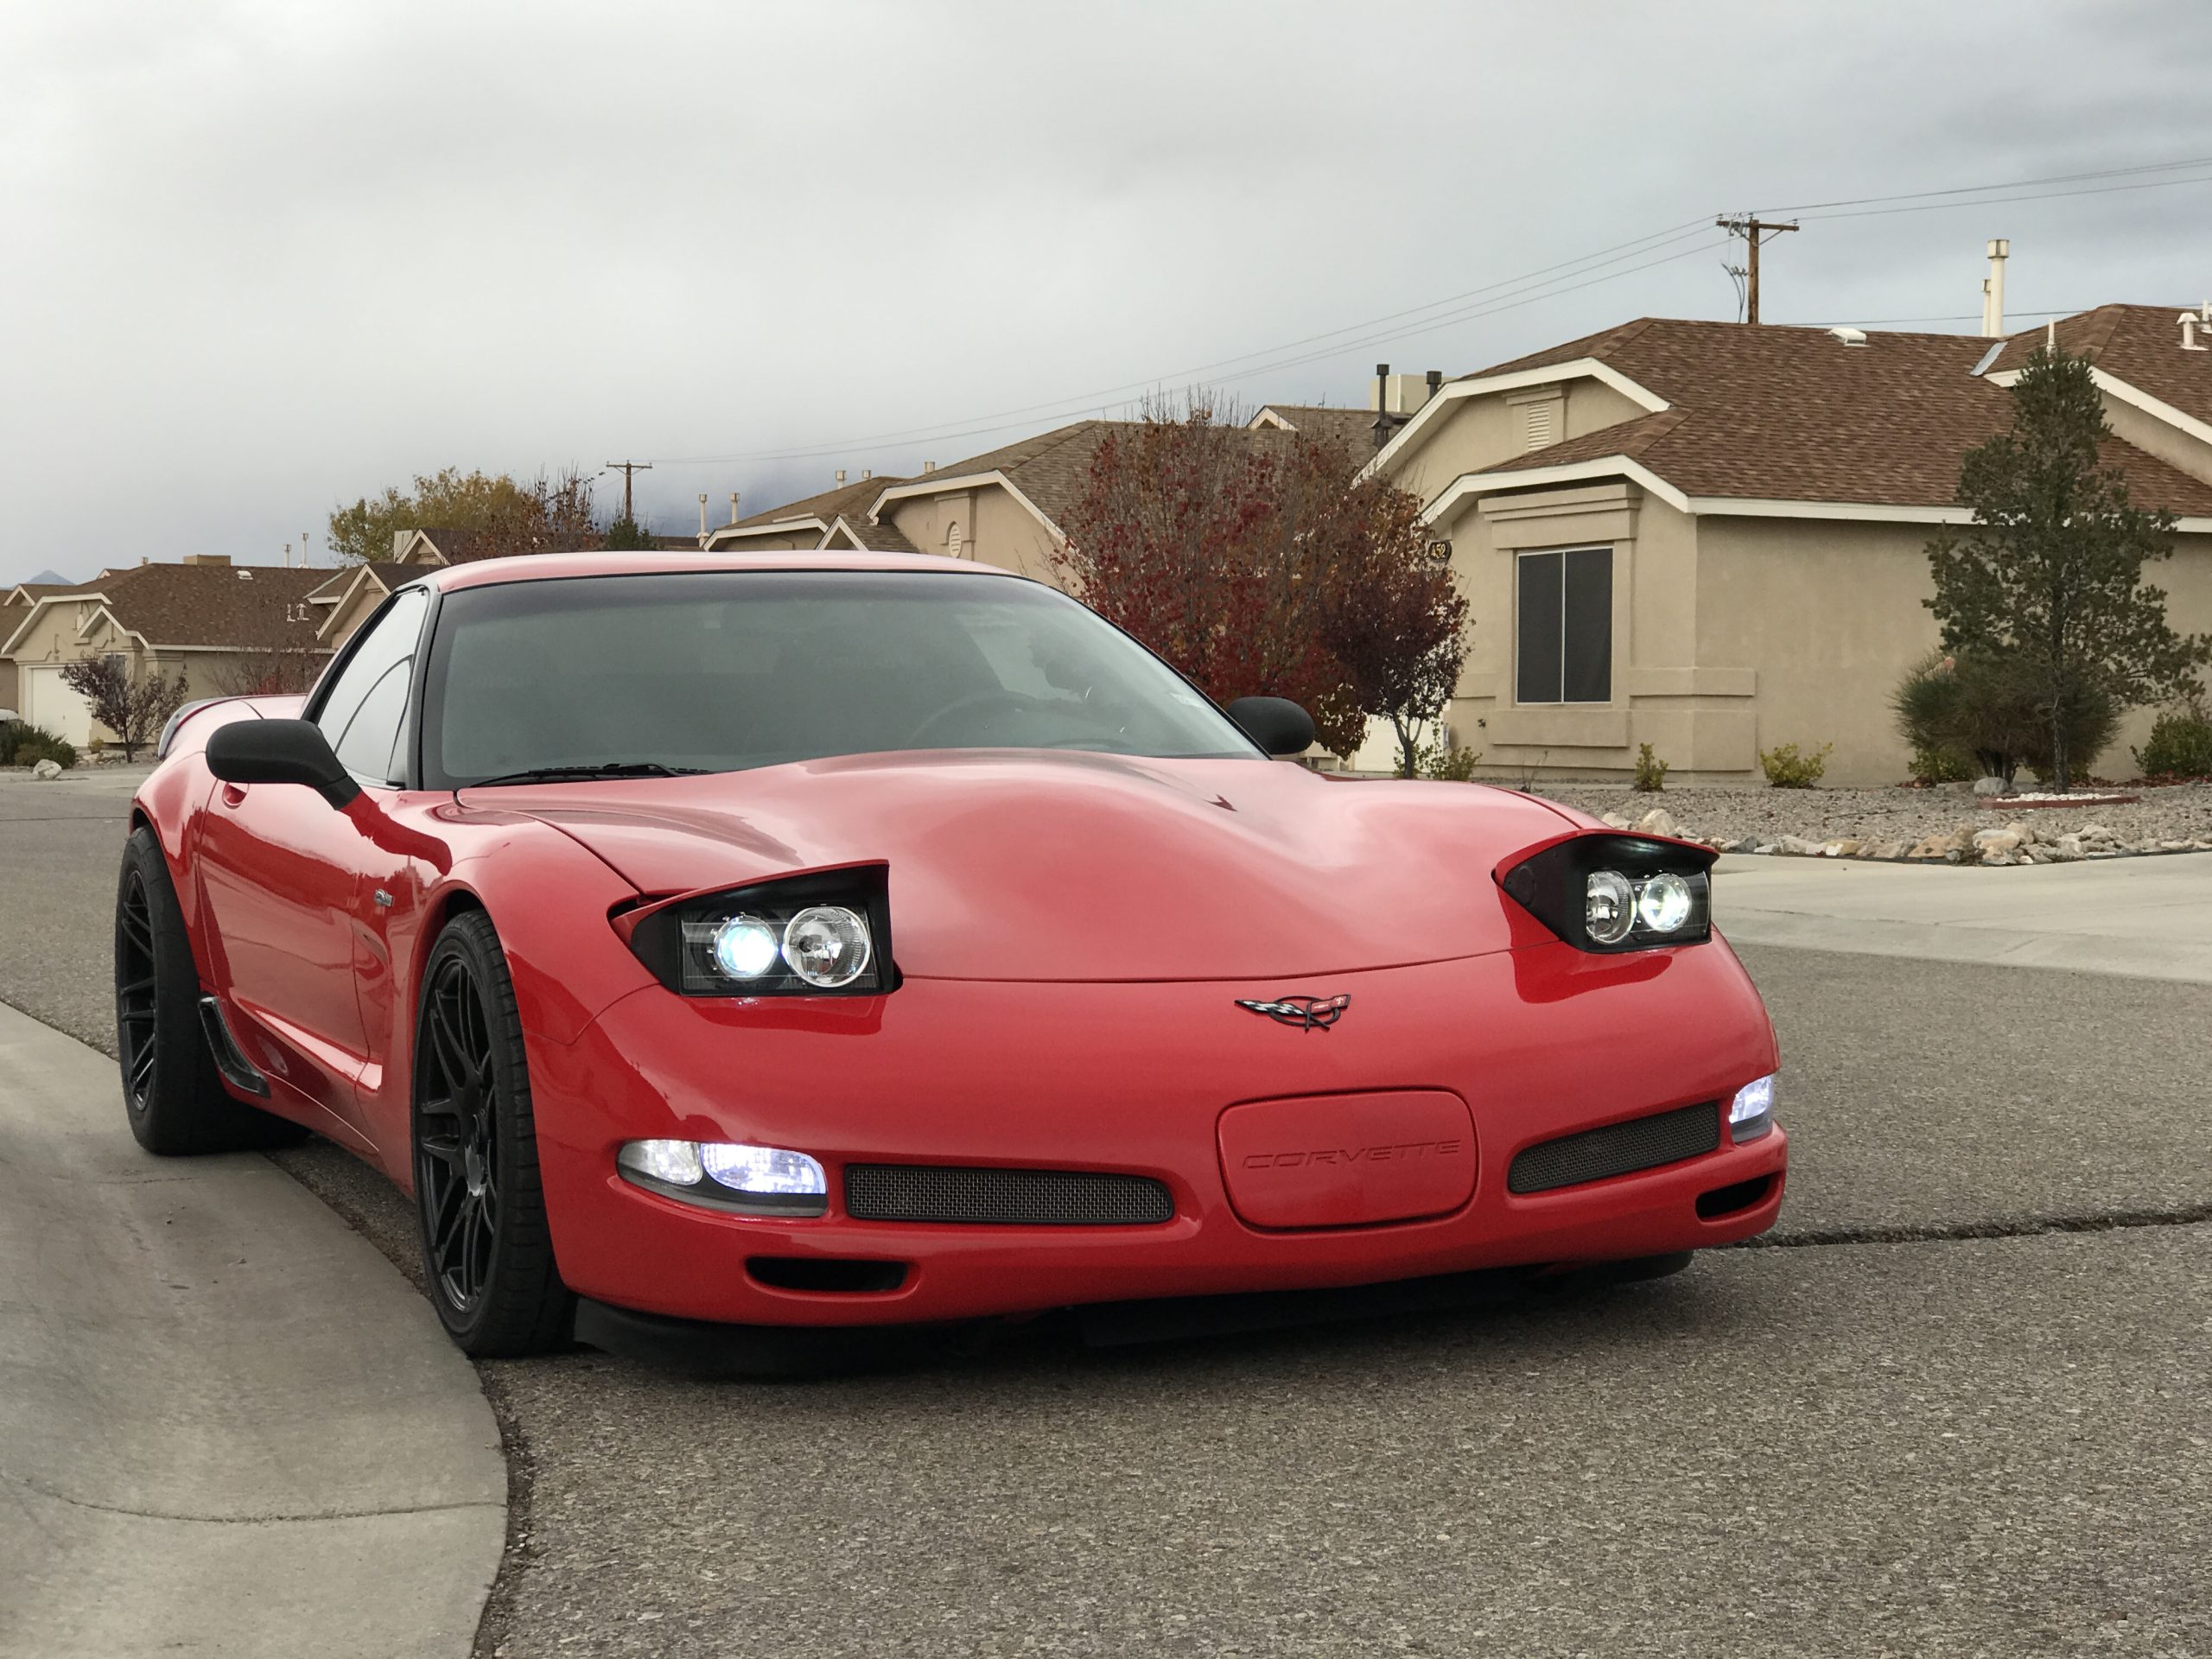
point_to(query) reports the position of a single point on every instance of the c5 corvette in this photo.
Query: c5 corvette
(823, 941)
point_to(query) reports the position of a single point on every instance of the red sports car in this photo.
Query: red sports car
(811, 942)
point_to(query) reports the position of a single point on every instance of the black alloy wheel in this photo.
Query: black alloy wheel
(486, 1250)
(138, 1029)
(172, 1092)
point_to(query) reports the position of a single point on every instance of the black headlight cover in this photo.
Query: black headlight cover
(1552, 884)
(667, 937)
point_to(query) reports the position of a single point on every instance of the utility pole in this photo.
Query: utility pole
(626, 467)
(1752, 228)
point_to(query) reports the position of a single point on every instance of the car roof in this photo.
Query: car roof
(541, 567)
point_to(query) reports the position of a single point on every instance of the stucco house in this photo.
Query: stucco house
(15, 604)
(1712, 537)
(221, 625)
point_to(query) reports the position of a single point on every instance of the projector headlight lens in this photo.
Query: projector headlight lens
(721, 1175)
(745, 947)
(1665, 904)
(1751, 1115)
(1609, 906)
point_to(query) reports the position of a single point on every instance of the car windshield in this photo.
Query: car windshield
(719, 670)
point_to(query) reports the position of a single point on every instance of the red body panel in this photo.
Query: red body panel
(1074, 932)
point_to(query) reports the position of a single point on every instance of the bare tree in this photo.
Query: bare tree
(134, 711)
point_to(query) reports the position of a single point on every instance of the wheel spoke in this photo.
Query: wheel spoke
(446, 1212)
(136, 987)
(446, 1149)
(453, 1059)
(142, 1068)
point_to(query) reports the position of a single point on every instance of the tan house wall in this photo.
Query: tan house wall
(2169, 444)
(995, 528)
(1472, 435)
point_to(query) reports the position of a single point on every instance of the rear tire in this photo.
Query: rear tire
(172, 1092)
(487, 1253)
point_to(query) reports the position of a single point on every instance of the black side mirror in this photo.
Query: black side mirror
(1276, 724)
(280, 752)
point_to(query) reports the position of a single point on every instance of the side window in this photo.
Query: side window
(366, 710)
(1563, 644)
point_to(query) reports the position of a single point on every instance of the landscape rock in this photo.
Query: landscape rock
(47, 770)
(1658, 822)
(1800, 847)
(1984, 787)
(1844, 848)
(1993, 845)
(1617, 820)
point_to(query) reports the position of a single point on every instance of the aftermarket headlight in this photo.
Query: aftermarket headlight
(1602, 891)
(1608, 906)
(1751, 1115)
(1664, 903)
(721, 1175)
(827, 934)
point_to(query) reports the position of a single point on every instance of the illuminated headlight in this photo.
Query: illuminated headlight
(751, 1180)
(827, 934)
(1664, 904)
(1751, 1115)
(1657, 909)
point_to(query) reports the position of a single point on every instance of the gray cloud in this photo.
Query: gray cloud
(266, 257)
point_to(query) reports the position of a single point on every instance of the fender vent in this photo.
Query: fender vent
(238, 1070)
(1617, 1149)
(1005, 1197)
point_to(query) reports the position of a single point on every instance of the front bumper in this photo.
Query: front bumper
(1539, 1042)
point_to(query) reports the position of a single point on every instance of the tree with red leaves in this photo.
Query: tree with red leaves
(133, 710)
(1258, 564)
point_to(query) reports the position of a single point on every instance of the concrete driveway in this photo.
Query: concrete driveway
(1954, 1408)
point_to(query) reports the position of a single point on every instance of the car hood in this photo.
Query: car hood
(1032, 866)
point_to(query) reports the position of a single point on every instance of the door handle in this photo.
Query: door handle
(233, 796)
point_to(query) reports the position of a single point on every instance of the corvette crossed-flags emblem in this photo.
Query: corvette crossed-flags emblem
(1307, 1012)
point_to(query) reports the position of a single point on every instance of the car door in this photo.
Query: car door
(286, 878)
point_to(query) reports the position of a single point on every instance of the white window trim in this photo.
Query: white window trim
(1609, 550)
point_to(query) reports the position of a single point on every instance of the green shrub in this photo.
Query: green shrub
(2180, 746)
(1995, 709)
(1448, 761)
(1786, 768)
(23, 744)
(1651, 771)
(1941, 766)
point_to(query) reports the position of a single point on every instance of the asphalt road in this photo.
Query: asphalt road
(1896, 1439)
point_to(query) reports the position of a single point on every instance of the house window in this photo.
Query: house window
(1564, 643)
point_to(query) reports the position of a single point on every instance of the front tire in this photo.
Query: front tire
(175, 1099)
(487, 1253)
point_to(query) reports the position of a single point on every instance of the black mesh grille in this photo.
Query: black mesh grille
(1007, 1198)
(1617, 1149)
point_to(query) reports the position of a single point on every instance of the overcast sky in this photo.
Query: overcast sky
(263, 258)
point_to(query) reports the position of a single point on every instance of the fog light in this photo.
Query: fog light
(717, 1175)
(1751, 1115)
(1608, 906)
(764, 1170)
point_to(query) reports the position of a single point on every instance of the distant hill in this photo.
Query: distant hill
(47, 578)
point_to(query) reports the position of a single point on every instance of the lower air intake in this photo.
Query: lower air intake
(1004, 1198)
(1617, 1149)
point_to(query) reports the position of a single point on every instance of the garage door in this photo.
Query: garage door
(47, 701)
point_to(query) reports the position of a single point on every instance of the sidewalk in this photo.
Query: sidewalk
(227, 1427)
(2148, 917)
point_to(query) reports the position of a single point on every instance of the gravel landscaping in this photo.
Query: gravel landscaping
(1946, 824)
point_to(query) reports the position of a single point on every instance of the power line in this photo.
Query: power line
(1508, 294)
(2006, 184)
(1750, 229)
(1578, 266)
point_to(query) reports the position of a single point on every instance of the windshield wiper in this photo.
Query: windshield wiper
(574, 774)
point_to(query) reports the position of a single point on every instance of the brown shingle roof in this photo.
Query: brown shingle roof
(850, 498)
(876, 538)
(243, 606)
(1795, 414)
(2140, 344)
(1053, 467)
(1354, 427)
